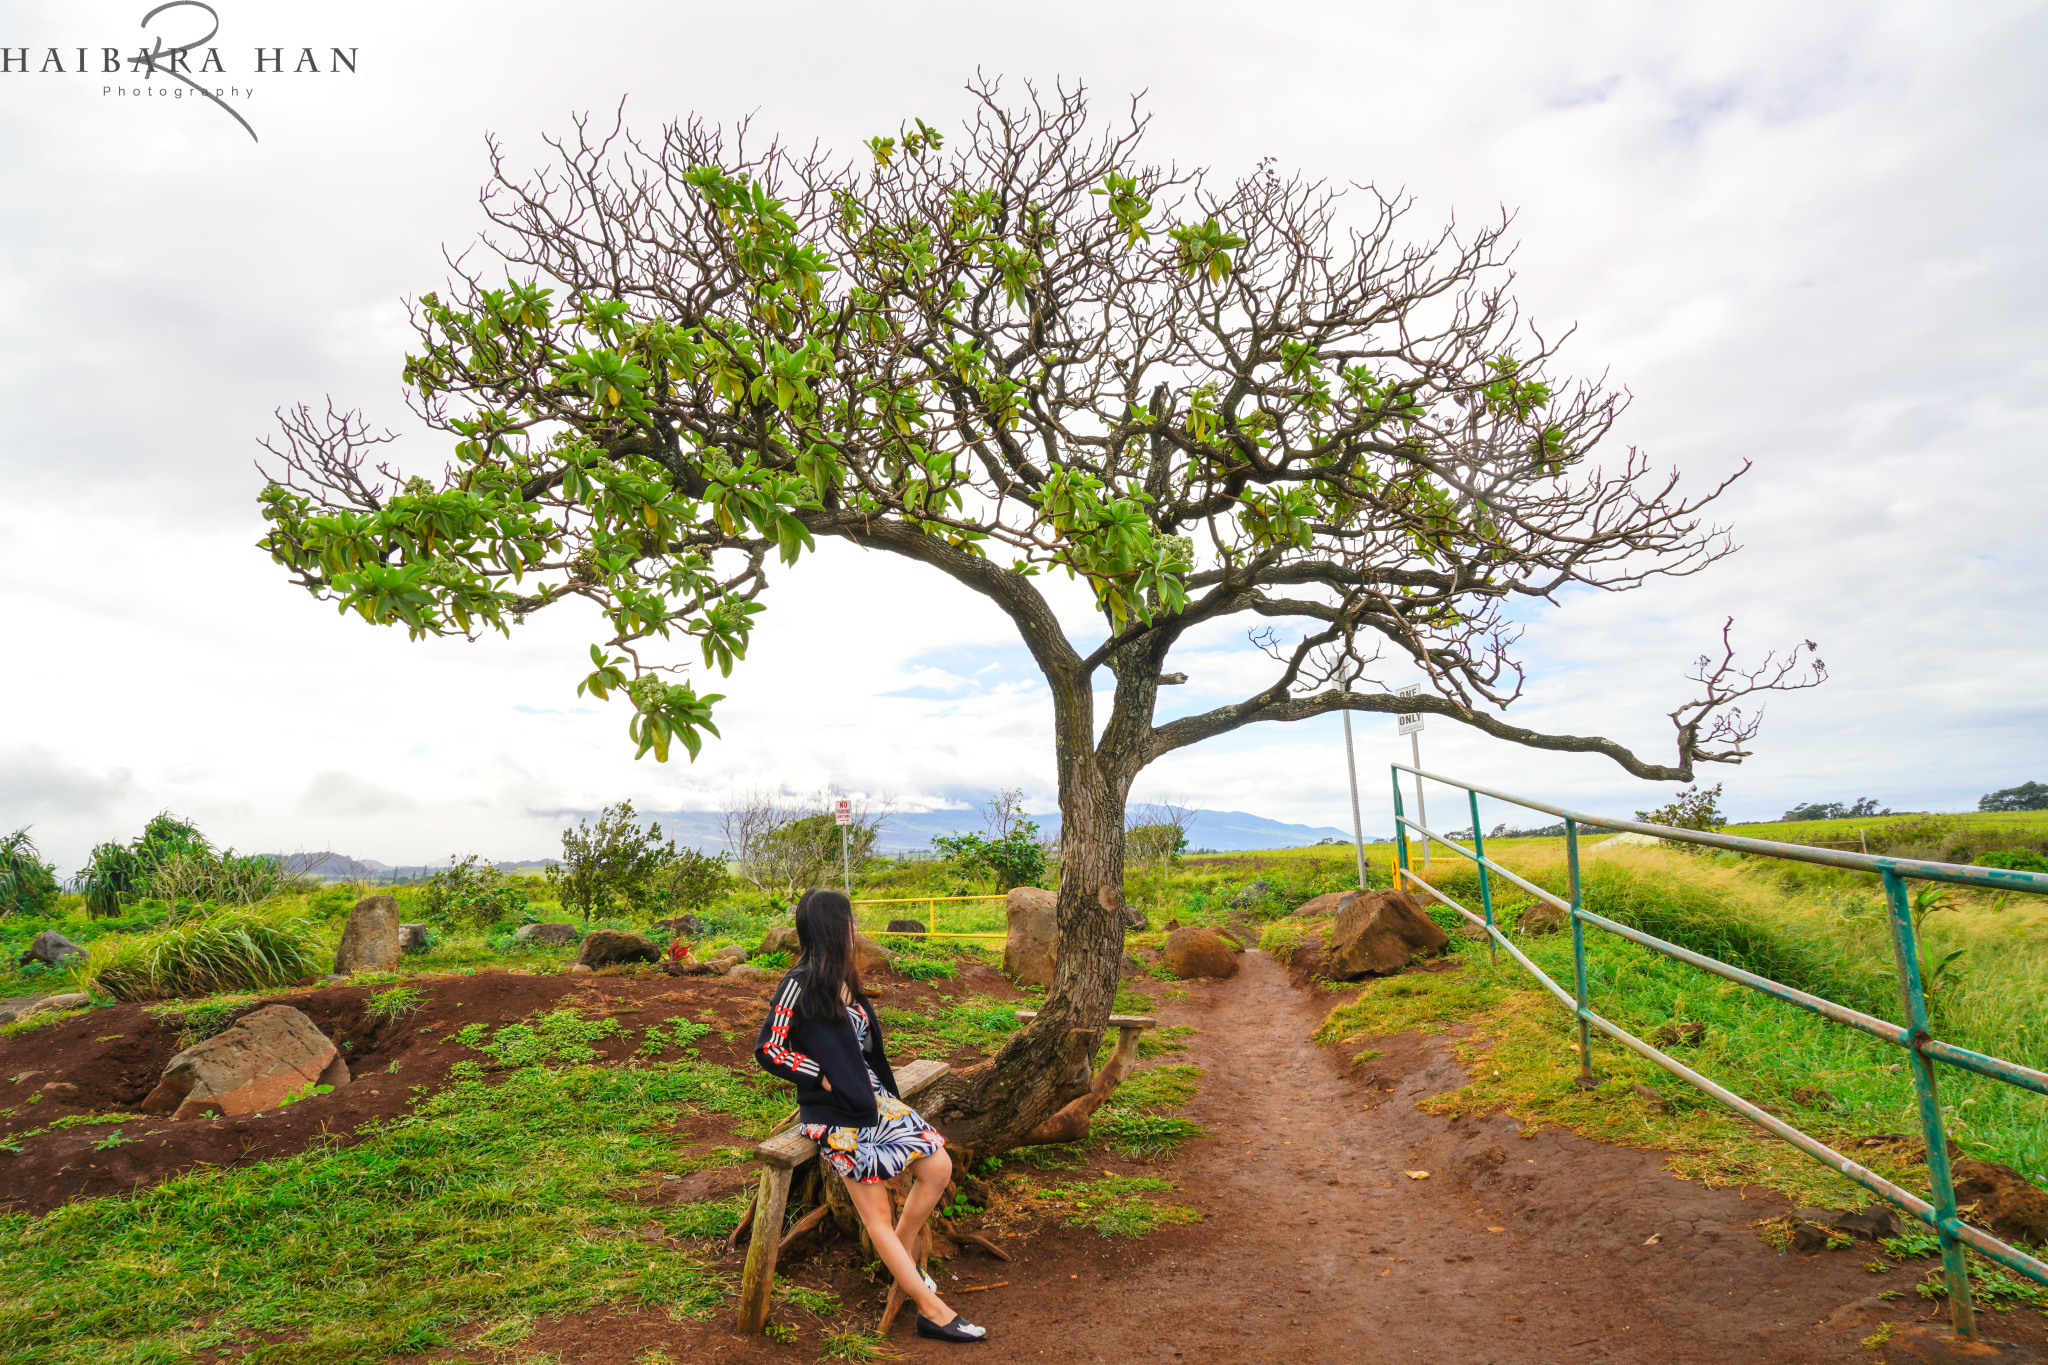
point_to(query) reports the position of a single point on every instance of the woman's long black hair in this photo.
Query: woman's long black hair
(824, 935)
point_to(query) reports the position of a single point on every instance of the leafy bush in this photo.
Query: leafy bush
(27, 883)
(1693, 808)
(243, 949)
(2015, 860)
(1015, 859)
(173, 862)
(464, 893)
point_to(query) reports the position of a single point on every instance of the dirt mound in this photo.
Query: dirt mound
(108, 1061)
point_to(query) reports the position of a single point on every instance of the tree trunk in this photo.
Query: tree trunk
(995, 1105)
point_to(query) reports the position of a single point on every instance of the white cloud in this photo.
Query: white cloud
(1804, 237)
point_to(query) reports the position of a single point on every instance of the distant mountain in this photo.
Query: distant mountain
(1226, 831)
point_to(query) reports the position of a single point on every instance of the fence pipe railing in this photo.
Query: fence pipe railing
(1941, 1214)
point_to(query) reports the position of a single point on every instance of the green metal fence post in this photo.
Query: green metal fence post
(1913, 996)
(1485, 891)
(1400, 830)
(1587, 1080)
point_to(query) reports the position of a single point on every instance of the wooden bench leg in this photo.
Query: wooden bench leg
(757, 1281)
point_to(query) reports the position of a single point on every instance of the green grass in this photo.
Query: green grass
(243, 949)
(1113, 1205)
(1821, 938)
(976, 1024)
(489, 1203)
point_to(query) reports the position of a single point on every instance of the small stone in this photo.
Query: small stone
(1171, 925)
(1031, 944)
(907, 926)
(262, 1058)
(1683, 1033)
(412, 938)
(1137, 919)
(611, 947)
(1329, 903)
(781, 938)
(1199, 952)
(731, 952)
(50, 948)
(1654, 1098)
(578, 969)
(1872, 1224)
(741, 971)
(869, 957)
(369, 941)
(547, 935)
(1130, 967)
(1252, 894)
(1541, 918)
(332, 979)
(61, 1092)
(681, 926)
(51, 1004)
(1809, 1238)
(1380, 932)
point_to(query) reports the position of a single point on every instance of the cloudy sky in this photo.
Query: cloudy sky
(1804, 236)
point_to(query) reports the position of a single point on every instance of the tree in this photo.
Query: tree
(605, 866)
(685, 880)
(1692, 808)
(27, 883)
(1157, 833)
(2026, 796)
(1020, 352)
(1012, 851)
(1835, 810)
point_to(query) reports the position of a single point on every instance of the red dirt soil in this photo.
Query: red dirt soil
(1315, 1247)
(106, 1061)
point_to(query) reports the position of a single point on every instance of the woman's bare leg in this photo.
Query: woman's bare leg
(871, 1202)
(931, 1174)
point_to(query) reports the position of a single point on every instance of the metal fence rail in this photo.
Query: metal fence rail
(934, 902)
(1914, 1037)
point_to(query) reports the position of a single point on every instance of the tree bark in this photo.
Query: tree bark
(996, 1105)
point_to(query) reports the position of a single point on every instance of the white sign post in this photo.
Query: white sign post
(1351, 766)
(1410, 724)
(842, 811)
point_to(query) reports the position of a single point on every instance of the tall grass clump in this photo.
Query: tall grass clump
(248, 948)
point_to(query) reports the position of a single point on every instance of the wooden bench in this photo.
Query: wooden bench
(780, 1156)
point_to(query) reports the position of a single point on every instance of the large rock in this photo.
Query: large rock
(1252, 894)
(907, 926)
(412, 938)
(547, 935)
(1031, 944)
(682, 926)
(1379, 933)
(781, 938)
(1198, 951)
(2007, 1202)
(263, 1057)
(369, 941)
(50, 948)
(1329, 903)
(1134, 918)
(610, 947)
(870, 957)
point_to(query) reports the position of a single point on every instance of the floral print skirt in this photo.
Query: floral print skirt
(880, 1152)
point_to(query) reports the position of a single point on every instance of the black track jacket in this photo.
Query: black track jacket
(810, 1050)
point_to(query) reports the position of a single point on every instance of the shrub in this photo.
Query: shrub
(243, 949)
(27, 883)
(464, 893)
(2015, 860)
(172, 861)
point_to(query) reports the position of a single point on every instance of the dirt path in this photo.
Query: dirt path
(1318, 1247)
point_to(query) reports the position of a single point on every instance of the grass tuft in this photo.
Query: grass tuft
(251, 948)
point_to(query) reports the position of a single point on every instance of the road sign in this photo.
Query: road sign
(1409, 723)
(842, 811)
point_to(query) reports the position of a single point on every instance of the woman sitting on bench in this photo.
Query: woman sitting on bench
(822, 1033)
